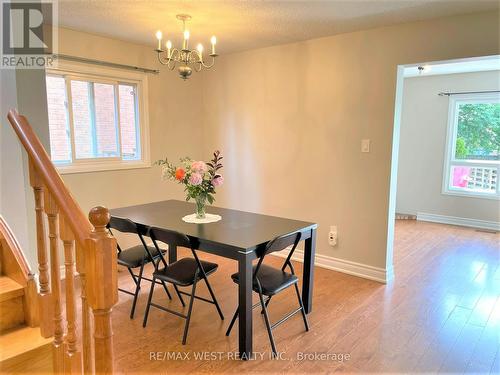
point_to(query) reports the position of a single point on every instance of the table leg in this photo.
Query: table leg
(172, 253)
(308, 273)
(245, 308)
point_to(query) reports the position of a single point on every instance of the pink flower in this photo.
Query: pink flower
(195, 179)
(199, 166)
(218, 181)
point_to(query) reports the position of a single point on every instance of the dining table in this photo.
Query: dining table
(239, 235)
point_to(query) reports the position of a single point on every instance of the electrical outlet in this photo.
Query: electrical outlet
(365, 145)
(332, 235)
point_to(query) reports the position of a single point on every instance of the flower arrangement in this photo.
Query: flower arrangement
(199, 179)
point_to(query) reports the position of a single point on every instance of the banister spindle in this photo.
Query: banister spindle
(52, 212)
(87, 352)
(73, 359)
(46, 321)
(102, 287)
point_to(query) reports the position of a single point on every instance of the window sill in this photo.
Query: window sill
(471, 194)
(101, 167)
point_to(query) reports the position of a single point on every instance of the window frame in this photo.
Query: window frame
(450, 149)
(87, 72)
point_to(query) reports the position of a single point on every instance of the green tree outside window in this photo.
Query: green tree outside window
(478, 133)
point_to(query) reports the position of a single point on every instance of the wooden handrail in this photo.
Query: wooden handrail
(78, 222)
(89, 247)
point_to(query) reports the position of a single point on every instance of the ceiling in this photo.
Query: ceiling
(243, 25)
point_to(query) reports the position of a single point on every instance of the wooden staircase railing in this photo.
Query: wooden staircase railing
(87, 245)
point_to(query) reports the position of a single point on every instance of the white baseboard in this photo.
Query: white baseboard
(345, 266)
(461, 221)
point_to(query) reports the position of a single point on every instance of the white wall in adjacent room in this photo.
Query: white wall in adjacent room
(424, 125)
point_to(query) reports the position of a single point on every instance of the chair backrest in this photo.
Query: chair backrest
(278, 244)
(125, 225)
(171, 238)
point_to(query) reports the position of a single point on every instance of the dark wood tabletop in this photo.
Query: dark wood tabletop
(240, 230)
(240, 236)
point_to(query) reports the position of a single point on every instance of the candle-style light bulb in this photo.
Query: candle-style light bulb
(159, 35)
(186, 39)
(213, 40)
(199, 47)
(169, 47)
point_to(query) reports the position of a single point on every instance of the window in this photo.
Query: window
(97, 119)
(472, 158)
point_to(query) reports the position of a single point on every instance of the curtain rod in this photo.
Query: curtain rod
(106, 63)
(467, 92)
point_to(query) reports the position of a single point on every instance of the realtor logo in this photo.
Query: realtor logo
(29, 33)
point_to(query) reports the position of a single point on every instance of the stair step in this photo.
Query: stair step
(24, 350)
(11, 304)
(9, 289)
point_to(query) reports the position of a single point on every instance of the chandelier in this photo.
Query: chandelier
(186, 59)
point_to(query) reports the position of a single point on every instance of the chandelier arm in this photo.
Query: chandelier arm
(160, 59)
(176, 56)
(197, 65)
(208, 66)
(166, 62)
(171, 64)
(193, 57)
(196, 59)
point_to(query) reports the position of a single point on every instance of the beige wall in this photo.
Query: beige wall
(174, 121)
(422, 147)
(290, 119)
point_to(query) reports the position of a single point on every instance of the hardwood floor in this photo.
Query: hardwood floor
(440, 314)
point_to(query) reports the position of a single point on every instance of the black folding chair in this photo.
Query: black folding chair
(184, 272)
(134, 257)
(269, 281)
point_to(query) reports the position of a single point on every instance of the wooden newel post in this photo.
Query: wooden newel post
(102, 287)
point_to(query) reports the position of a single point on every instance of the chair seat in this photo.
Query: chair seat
(272, 280)
(135, 256)
(182, 271)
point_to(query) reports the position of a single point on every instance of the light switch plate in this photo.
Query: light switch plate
(365, 145)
